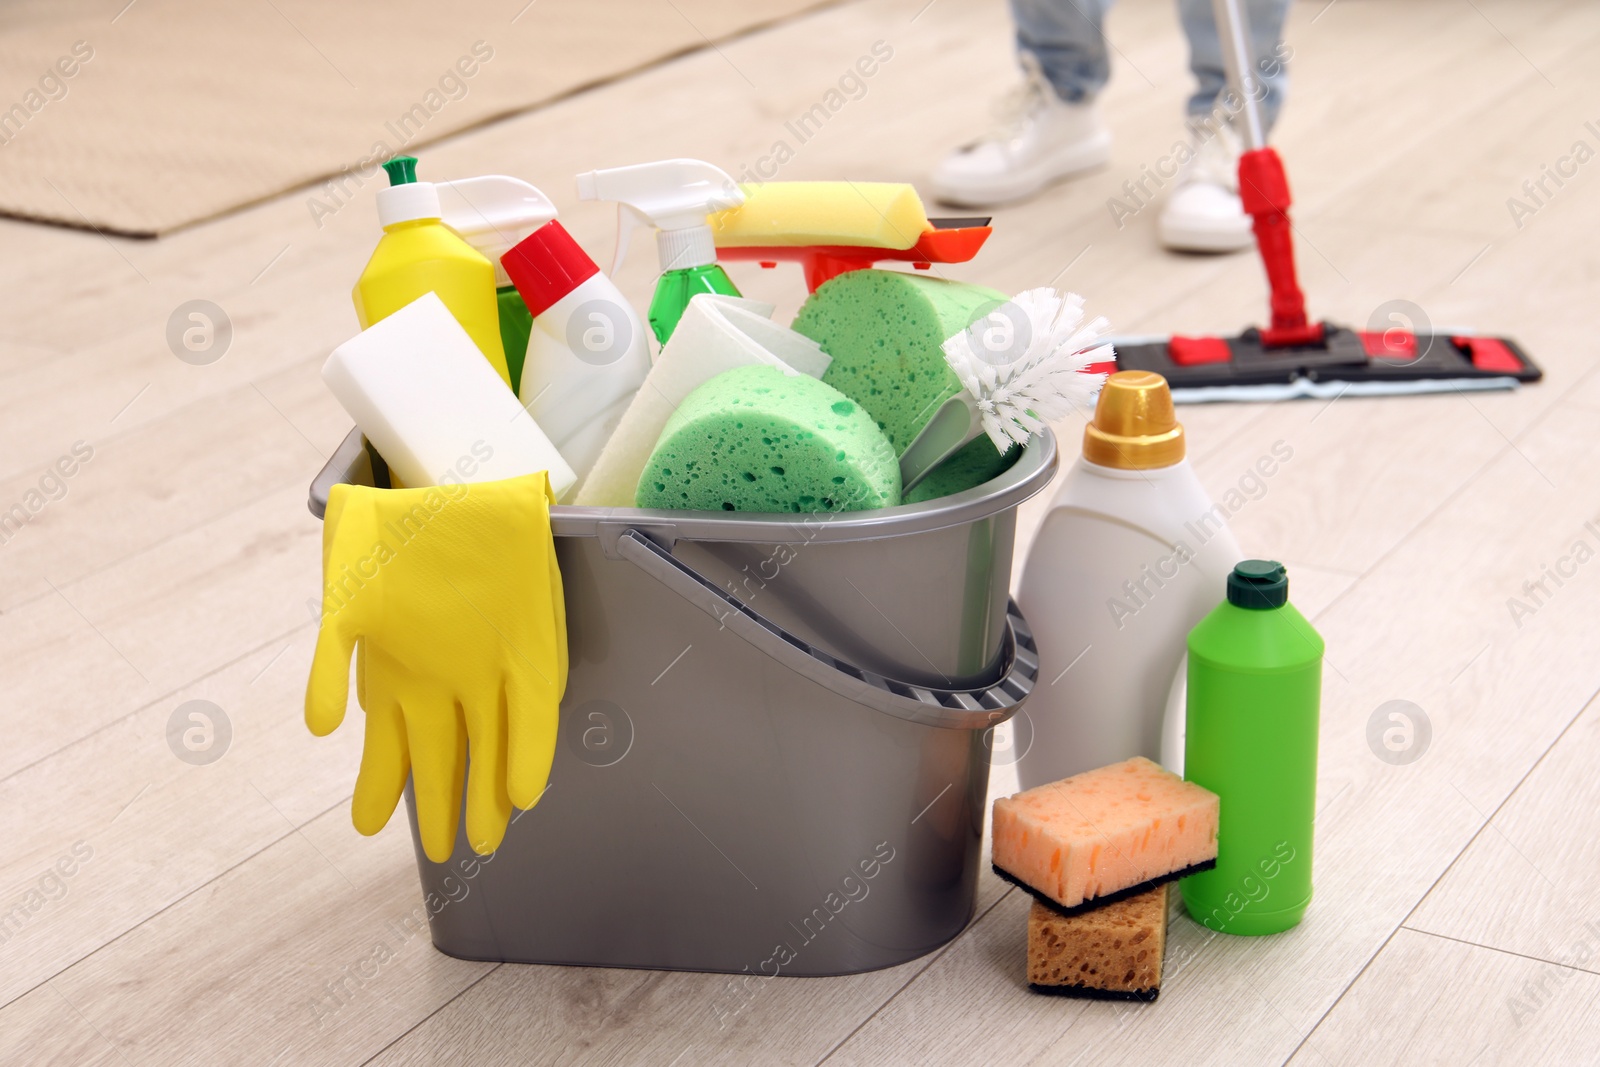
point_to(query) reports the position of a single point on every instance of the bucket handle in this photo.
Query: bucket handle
(950, 709)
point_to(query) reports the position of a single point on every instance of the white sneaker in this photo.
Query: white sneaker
(1203, 214)
(1043, 140)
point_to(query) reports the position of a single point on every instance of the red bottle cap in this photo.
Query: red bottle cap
(546, 266)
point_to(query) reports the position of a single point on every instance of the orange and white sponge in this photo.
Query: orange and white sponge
(1105, 835)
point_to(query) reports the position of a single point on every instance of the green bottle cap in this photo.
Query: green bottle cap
(1259, 584)
(402, 170)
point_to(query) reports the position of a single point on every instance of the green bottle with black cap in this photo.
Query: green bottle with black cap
(1255, 689)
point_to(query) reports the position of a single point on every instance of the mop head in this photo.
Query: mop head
(781, 214)
(884, 330)
(756, 439)
(1392, 362)
(1026, 362)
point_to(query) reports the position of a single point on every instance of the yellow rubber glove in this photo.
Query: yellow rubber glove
(451, 597)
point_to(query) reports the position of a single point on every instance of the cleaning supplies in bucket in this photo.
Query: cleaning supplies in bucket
(797, 760)
(759, 442)
(424, 396)
(418, 254)
(419, 592)
(1255, 687)
(1130, 556)
(715, 334)
(755, 442)
(493, 213)
(765, 439)
(452, 601)
(587, 353)
(674, 196)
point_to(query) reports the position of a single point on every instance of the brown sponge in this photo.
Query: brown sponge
(1113, 952)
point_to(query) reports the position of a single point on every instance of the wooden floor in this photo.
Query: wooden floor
(211, 909)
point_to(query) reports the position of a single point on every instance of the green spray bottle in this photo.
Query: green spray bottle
(674, 196)
(1255, 687)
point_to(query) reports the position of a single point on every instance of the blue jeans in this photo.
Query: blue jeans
(1065, 36)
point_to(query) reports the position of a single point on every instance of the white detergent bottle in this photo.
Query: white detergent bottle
(1131, 555)
(587, 350)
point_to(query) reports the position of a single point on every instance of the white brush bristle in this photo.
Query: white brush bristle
(1025, 363)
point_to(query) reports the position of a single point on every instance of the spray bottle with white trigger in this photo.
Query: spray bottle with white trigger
(494, 213)
(673, 196)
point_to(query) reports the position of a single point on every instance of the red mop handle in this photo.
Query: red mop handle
(1264, 191)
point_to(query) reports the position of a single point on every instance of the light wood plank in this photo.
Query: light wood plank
(44, 1028)
(140, 829)
(1526, 885)
(558, 1015)
(316, 951)
(1426, 1000)
(111, 642)
(173, 481)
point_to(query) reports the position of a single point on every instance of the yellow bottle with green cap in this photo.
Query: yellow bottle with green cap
(1130, 556)
(419, 254)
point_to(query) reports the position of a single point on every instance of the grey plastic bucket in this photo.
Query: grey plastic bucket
(774, 746)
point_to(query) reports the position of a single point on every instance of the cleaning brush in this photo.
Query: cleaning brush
(1021, 365)
(1037, 370)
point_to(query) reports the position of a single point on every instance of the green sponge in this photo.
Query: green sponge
(970, 465)
(757, 439)
(883, 330)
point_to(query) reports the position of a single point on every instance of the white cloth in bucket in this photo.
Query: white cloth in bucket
(716, 334)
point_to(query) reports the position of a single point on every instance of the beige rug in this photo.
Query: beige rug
(137, 118)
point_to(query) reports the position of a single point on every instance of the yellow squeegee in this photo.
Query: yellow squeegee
(791, 214)
(833, 227)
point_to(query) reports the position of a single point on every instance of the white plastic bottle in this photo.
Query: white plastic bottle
(587, 350)
(1131, 555)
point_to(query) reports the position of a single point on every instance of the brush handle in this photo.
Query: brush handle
(952, 426)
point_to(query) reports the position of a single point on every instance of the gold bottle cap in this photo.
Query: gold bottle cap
(1134, 426)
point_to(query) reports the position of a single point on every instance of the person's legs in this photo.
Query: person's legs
(1205, 54)
(1067, 39)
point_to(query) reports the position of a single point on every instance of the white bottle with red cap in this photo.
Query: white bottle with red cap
(587, 351)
